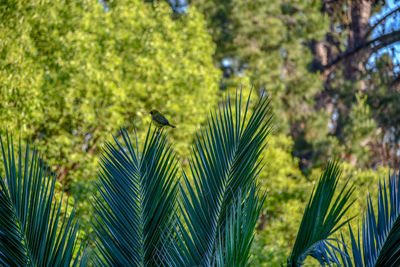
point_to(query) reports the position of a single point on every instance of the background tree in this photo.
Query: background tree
(359, 57)
(266, 42)
(350, 46)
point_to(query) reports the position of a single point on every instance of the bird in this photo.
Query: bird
(159, 120)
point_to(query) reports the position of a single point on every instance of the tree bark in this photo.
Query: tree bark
(360, 13)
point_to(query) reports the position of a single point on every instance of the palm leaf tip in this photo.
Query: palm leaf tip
(322, 217)
(29, 218)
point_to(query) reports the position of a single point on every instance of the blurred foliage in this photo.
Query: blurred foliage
(73, 72)
(281, 46)
(361, 129)
(269, 44)
(287, 191)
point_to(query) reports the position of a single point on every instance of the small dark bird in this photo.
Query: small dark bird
(159, 120)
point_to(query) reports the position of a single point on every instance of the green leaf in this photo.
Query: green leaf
(380, 245)
(322, 217)
(225, 161)
(234, 245)
(30, 234)
(137, 200)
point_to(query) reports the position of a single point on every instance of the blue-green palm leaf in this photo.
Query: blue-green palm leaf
(224, 162)
(137, 200)
(380, 244)
(30, 234)
(234, 245)
(322, 217)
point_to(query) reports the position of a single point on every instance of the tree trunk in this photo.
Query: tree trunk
(360, 13)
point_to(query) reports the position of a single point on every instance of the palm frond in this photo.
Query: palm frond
(137, 200)
(380, 244)
(225, 160)
(321, 219)
(29, 232)
(233, 248)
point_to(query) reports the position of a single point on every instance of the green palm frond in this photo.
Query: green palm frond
(29, 220)
(137, 200)
(380, 244)
(224, 163)
(321, 219)
(233, 248)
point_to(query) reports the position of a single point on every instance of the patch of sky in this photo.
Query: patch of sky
(391, 24)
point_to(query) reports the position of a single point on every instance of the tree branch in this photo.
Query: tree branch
(377, 43)
(371, 29)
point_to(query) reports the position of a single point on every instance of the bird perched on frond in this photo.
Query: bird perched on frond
(159, 120)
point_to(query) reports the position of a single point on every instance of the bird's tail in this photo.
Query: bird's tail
(173, 126)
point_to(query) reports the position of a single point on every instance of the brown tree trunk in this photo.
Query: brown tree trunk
(360, 13)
